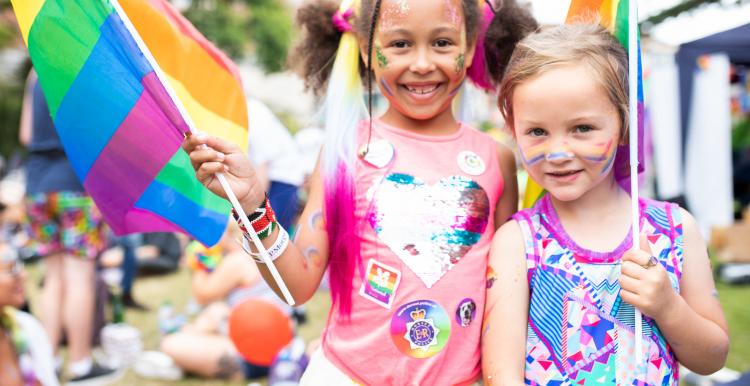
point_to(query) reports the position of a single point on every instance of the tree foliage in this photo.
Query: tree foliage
(236, 26)
(680, 8)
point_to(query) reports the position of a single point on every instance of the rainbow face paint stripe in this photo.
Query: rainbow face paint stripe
(599, 152)
(458, 88)
(559, 156)
(533, 154)
(386, 88)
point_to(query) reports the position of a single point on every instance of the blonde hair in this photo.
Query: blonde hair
(588, 44)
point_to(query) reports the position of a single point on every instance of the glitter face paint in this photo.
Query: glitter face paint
(460, 63)
(451, 12)
(382, 59)
(409, 61)
(390, 14)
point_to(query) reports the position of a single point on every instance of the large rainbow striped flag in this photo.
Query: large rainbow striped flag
(612, 15)
(120, 128)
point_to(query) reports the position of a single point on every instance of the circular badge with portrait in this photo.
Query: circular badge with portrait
(465, 312)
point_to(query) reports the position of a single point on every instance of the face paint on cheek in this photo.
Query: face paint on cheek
(559, 156)
(533, 154)
(382, 59)
(457, 89)
(601, 153)
(460, 63)
(386, 88)
(610, 160)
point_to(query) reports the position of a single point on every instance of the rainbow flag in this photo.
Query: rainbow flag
(612, 15)
(120, 128)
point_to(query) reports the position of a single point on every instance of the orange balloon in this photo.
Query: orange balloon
(259, 329)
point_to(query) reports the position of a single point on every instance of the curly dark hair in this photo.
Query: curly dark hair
(313, 56)
(510, 24)
(315, 52)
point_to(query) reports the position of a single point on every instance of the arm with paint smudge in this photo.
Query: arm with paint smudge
(304, 261)
(693, 323)
(507, 205)
(506, 309)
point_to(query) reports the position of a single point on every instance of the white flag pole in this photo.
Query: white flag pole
(220, 176)
(633, 132)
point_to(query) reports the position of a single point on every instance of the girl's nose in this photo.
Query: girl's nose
(559, 154)
(423, 63)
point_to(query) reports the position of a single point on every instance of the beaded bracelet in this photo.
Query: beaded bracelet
(262, 219)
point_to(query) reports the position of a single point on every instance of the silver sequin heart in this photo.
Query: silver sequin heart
(429, 227)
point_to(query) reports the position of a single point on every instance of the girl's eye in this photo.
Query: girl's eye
(443, 43)
(400, 44)
(583, 129)
(536, 132)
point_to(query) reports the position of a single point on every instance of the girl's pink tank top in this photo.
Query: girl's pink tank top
(427, 206)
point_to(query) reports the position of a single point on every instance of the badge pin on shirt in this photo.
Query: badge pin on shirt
(379, 154)
(470, 163)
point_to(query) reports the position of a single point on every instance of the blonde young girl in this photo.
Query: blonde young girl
(561, 308)
(402, 207)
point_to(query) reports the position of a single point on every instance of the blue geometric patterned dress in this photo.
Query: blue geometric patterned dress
(580, 332)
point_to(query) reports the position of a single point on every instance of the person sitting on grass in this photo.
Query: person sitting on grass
(223, 277)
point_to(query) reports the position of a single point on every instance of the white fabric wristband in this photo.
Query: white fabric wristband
(274, 251)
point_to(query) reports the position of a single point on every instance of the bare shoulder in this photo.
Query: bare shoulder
(507, 241)
(692, 237)
(689, 224)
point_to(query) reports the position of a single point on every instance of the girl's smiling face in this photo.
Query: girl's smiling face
(419, 57)
(567, 130)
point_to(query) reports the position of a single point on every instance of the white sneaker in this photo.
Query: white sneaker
(157, 365)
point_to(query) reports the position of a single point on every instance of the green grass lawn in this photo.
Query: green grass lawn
(736, 302)
(152, 291)
(176, 288)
